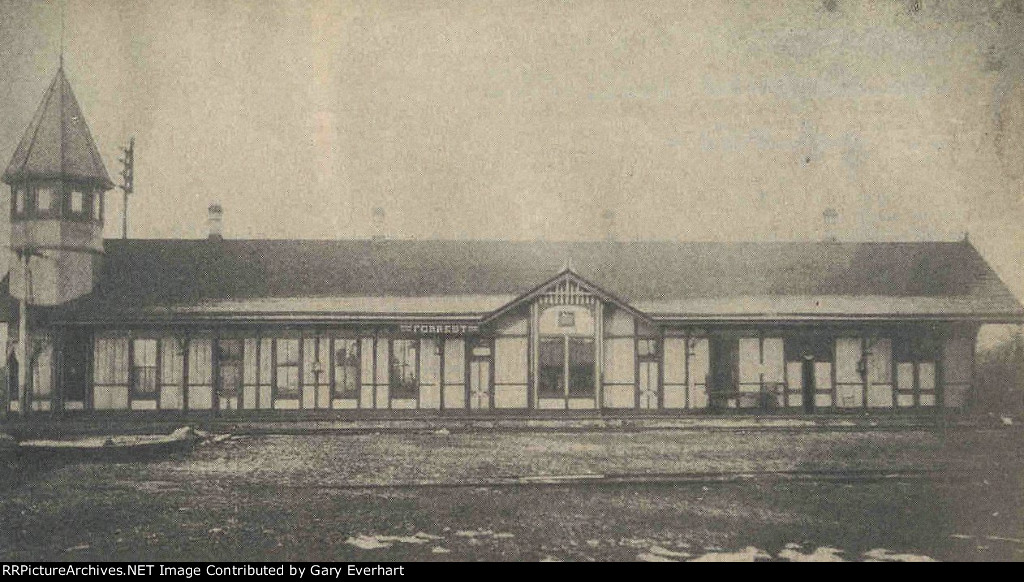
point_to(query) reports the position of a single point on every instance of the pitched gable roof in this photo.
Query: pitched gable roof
(57, 143)
(933, 279)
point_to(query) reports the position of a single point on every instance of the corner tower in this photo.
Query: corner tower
(57, 181)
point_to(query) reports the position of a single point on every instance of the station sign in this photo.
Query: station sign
(421, 328)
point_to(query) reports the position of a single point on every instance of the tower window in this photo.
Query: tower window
(19, 200)
(77, 202)
(44, 199)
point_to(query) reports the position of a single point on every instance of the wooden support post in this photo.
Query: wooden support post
(23, 336)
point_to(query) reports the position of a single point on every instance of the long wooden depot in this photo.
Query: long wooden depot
(405, 327)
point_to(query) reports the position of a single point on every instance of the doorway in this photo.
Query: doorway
(480, 384)
(807, 383)
(13, 396)
(724, 364)
(75, 351)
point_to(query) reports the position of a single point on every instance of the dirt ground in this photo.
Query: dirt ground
(673, 495)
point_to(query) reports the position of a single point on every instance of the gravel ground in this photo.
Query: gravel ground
(365, 497)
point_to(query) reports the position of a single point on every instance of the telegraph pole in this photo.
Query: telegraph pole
(127, 185)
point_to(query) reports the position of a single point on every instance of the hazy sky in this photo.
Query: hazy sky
(716, 120)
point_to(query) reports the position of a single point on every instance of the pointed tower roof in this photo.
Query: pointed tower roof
(57, 144)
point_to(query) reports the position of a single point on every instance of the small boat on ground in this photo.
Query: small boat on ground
(109, 447)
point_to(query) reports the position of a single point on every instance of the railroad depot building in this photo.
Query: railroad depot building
(409, 327)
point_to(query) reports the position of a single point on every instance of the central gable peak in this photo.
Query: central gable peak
(566, 288)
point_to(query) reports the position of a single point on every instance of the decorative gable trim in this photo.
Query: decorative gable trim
(566, 288)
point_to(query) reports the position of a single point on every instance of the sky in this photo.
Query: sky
(717, 120)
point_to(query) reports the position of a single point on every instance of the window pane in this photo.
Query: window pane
(111, 361)
(848, 360)
(346, 368)
(403, 372)
(288, 352)
(144, 368)
(314, 371)
(430, 361)
(771, 357)
(171, 361)
(581, 366)
(77, 202)
(288, 368)
(750, 360)
(44, 199)
(287, 381)
(251, 364)
(551, 381)
(880, 361)
(454, 362)
(266, 354)
(19, 200)
(808, 346)
(200, 356)
(230, 351)
(101, 361)
(41, 374)
(646, 348)
(145, 352)
(675, 360)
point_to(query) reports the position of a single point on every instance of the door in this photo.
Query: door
(480, 387)
(75, 369)
(807, 379)
(647, 385)
(648, 374)
(12, 383)
(724, 365)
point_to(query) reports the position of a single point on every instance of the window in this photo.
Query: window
(552, 368)
(563, 358)
(77, 202)
(172, 369)
(144, 368)
(404, 374)
(346, 368)
(44, 199)
(41, 374)
(808, 346)
(200, 361)
(647, 348)
(257, 373)
(200, 373)
(879, 360)
(110, 359)
(581, 367)
(566, 319)
(287, 371)
(229, 352)
(19, 200)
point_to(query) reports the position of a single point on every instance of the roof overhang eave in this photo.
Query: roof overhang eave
(260, 318)
(986, 318)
